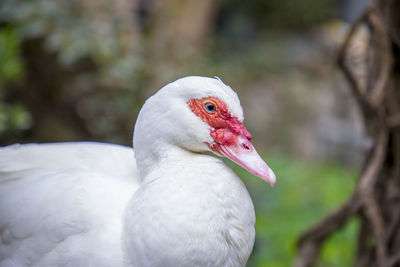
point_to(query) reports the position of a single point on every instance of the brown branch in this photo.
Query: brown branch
(374, 215)
(394, 120)
(354, 83)
(382, 47)
(370, 101)
(362, 253)
(392, 226)
(395, 259)
(370, 175)
(311, 241)
(366, 189)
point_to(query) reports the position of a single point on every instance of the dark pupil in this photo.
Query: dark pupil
(210, 107)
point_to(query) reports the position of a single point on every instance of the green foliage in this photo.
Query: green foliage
(340, 249)
(304, 193)
(13, 117)
(11, 67)
(279, 15)
(82, 55)
(76, 30)
(299, 14)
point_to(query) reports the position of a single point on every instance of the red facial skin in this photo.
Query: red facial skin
(224, 127)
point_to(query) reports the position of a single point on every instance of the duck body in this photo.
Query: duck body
(213, 226)
(163, 203)
(61, 204)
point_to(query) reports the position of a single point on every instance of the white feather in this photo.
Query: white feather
(58, 201)
(89, 204)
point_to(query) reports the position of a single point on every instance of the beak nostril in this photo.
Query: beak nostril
(245, 146)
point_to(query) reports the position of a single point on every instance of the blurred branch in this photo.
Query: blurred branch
(310, 242)
(370, 92)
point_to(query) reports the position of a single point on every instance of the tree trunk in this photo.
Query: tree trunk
(373, 71)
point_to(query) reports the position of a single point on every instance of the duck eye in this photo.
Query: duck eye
(210, 107)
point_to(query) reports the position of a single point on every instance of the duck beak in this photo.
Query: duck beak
(243, 153)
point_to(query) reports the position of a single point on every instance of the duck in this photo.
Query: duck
(168, 201)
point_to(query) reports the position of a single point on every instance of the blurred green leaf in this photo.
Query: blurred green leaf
(305, 192)
(13, 117)
(11, 67)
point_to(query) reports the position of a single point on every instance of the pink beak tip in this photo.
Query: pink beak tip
(271, 178)
(267, 175)
(244, 154)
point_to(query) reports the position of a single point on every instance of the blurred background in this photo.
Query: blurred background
(80, 70)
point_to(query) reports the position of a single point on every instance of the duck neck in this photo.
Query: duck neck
(158, 154)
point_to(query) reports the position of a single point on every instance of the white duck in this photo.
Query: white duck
(91, 204)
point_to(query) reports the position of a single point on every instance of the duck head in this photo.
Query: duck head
(197, 114)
